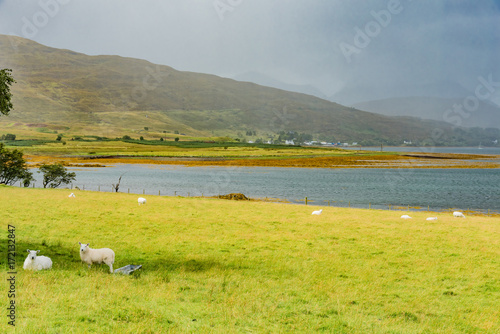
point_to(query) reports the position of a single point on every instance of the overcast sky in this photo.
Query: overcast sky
(330, 44)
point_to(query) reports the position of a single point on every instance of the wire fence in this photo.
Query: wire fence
(301, 201)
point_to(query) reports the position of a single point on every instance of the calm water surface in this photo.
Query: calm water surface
(434, 188)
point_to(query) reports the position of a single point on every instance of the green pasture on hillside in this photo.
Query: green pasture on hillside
(217, 266)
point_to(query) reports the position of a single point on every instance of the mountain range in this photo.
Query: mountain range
(77, 94)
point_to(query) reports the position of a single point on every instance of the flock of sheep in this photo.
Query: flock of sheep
(107, 256)
(87, 254)
(456, 214)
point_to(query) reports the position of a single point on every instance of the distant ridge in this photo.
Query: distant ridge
(113, 95)
(485, 115)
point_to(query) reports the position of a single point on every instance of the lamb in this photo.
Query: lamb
(458, 214)
(318, 212)
(141, 200)
(101, 255)
(34, 262)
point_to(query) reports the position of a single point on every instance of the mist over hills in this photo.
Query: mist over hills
(486, 114)
(113, 95)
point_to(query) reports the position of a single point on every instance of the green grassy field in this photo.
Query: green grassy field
(216, 266)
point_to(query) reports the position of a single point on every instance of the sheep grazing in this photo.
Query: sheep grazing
(458, 214)
(317, 212)
(101, 255)
(432, 218)
(35, 262)
(141, 200)
(71, 195)
(405, 217)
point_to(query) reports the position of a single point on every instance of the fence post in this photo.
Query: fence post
(128, 191)
(306, 200)
(159, 193)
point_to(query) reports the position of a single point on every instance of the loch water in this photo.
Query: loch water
(434, 189)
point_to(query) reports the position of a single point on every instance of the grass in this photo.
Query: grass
(216, 266)
(170, 149)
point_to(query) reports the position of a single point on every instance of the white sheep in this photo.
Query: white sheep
(458, 214)
(432, 218)
(34, 262)
(141, 200)
(318, 212)
(71, 195)
(101, 255)
(405, 217)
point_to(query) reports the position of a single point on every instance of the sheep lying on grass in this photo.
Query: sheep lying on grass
(101, 255)
(141, 200)
(34, 262)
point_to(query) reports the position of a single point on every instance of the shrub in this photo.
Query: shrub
(13, 167)
(55, 175)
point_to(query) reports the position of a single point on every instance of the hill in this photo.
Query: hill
(76, 94)
(436, 108)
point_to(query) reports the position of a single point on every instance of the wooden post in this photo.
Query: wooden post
(159, 193)
(128, 190)
(306, 200)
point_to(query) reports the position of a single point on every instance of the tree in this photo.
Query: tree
(6, 80)
(13, 167)
(55, 175)
(116, 187)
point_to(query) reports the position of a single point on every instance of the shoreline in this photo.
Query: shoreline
(364, 160)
